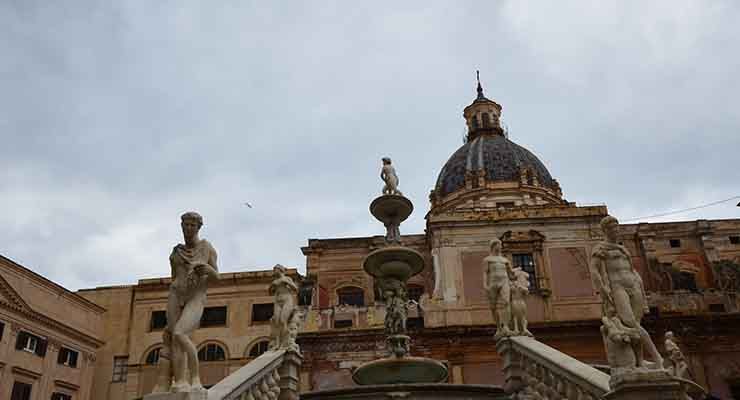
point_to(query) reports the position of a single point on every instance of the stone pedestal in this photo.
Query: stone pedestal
(645, 385)
(290, 378)
(199, 395)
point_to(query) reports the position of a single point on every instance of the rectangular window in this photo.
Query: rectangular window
(60, 396)
(734, 239)
(31, 343)
(21, 391)
(343, 323)
(526, 263)
(67, 357)
(213, 316)
(120, 369)
(2, 329)
(505, 204)
(675, 243)
(262, 312)
(158, 321)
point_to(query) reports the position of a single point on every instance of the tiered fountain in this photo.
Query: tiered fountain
(392, 266)
(399, 375)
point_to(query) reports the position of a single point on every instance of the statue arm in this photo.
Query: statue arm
(486, 286)
(598, 275)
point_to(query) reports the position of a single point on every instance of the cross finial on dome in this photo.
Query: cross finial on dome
(480, 88)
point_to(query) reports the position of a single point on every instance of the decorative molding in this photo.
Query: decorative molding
(26, 372)
(66, 385)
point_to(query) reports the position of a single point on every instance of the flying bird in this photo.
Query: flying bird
(247, 204)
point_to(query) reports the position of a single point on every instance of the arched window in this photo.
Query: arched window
(153, 356)
(211, 352)
(258, 348)
(485, 120)
(474, 121)
(415, 292)
(351, 296)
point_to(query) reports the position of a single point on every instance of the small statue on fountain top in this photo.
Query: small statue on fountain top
(388, 175)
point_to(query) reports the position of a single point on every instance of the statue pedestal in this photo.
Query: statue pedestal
(290, 376)
(199, 395)
(645, 385)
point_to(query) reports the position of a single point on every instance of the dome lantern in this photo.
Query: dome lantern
(483, 115)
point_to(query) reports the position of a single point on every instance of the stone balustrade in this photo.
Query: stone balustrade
(271, 376)
(534, 370)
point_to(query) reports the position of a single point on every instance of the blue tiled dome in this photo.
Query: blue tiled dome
(499, 157)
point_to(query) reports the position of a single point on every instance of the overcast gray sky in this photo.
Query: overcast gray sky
(117, 116)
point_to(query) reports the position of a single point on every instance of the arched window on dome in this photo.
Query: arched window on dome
(211, 352)
(485, 120)
(474, 122)
(259, 348)
(152, 357)
(351, 296)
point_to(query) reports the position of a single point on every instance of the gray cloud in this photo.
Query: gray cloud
(117, 117)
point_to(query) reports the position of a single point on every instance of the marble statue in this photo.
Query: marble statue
(623, 298)
(285, 291)
(676, 363)
(193, 264)
(497, 276)
(395, 303)
(388, 175)
(519, 292)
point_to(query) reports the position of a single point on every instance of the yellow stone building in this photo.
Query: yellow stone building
(49, 337)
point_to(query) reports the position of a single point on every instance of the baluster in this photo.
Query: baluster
(265, 389)
(272, 382)
(257, 393)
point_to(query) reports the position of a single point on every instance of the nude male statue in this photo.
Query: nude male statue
(620, 286)
(388, 175)
(193, 264)
(497, 276)
(284, 290)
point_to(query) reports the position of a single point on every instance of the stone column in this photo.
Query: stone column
(290, 376)
(512, 365)
(645, 385)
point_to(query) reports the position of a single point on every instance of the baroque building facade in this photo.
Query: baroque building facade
(493, 188)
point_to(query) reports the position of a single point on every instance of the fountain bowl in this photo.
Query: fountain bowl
(391, 208)
(396, 370)
(394, 262)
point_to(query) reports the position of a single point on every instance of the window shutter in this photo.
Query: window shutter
(73, 359)
(20, 342)
(61, 357)
(41, 347)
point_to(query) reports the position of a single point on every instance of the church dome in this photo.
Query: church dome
(499, 158)
(489, 170)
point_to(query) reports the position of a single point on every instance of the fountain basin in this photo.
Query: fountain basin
(395, 370)
(425, 391)
(391, 208)
(394, 262)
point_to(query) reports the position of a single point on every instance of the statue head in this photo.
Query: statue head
(278, 271)
(495, 246)
(386, 160)
(191, 222)
(610, 227)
